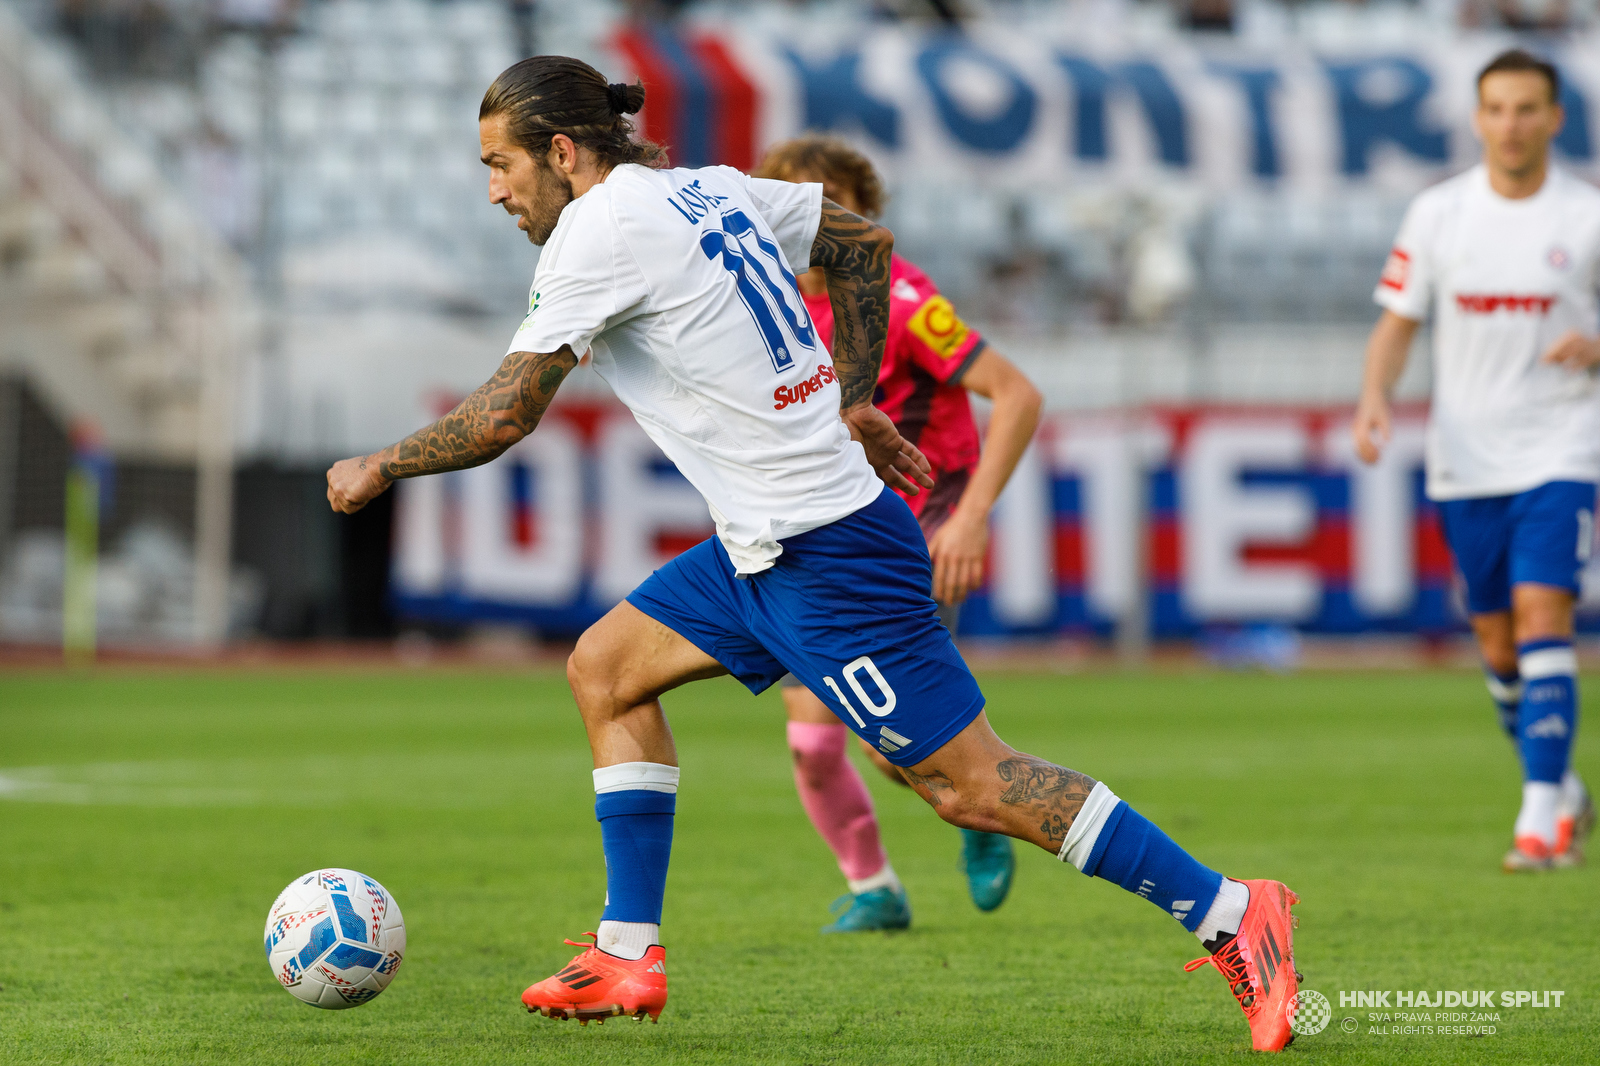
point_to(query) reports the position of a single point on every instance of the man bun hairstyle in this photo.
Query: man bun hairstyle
(828, 159)
(625, 99)
(546, 95)
(1520, 60)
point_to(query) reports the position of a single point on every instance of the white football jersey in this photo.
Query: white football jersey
(682, 284)
(1504, 279)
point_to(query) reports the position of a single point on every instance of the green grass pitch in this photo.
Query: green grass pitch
(149, 817)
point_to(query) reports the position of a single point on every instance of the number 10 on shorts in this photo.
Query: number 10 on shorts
(852, 676)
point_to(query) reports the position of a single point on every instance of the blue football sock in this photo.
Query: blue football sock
(1111, 840)
(635, 803)
(1547, 719)
(1506, 691)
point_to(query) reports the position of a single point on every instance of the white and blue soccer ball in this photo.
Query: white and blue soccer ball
(335, 938)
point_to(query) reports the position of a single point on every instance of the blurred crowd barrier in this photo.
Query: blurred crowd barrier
(1185, 518)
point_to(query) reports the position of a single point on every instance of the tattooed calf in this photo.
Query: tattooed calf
(1054, 793)
(935, 781)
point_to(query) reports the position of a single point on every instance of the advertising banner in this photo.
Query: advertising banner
(1220, 516)
(1019, 109)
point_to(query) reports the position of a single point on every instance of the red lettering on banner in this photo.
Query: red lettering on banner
(1327, 550)
(670, 543)
(1166, 550)
(1433, 553)
(1488, 303)
(1396, 271)
(1333, 549)
(524, 525)
(1069, 554)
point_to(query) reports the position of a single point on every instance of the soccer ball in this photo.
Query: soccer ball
(335, 938)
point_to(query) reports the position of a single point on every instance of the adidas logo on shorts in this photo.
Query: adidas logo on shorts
(889, 741)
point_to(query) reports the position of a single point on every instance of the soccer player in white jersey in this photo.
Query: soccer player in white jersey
(682, 285)
(1507, 258)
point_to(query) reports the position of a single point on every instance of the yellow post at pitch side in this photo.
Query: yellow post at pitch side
(78, 604)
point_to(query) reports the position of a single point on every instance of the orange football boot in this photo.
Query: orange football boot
(1527, 853)
(596, 985)
(1259, 964)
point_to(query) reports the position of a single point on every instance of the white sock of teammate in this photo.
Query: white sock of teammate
(884, 878)
(1226, 913)
(1537, 819)
(1573, 794)
(627, 940)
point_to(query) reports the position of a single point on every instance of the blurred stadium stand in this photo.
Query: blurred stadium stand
(269, 215)
(121, 307)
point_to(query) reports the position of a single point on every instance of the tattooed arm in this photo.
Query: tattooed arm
(853, 253)
(498, 414)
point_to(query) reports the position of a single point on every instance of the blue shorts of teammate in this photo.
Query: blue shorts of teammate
(846, 609)
(1541, 537)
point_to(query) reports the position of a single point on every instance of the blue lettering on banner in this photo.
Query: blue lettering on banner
(1259, 84)
(1000, 133)
(1387, 100)
(835, 100)
(1092, 84)
(1365, 122)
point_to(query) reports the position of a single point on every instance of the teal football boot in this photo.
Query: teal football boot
(882, 908)
(988, 860)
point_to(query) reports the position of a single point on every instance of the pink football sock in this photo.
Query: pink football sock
(836, 798)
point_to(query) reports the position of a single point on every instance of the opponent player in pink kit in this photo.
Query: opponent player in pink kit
(1507, 258)
(931, 361)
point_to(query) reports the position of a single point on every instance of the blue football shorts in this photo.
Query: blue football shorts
(1540, 537)
(949, 614)
(846, 609)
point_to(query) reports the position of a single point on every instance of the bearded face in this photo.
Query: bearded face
(552, 192)
(526, 185)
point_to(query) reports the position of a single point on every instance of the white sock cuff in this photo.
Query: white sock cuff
(1085, 829)
(645, 776)
(627, 940)
(1537, 818)
(1227, 911)
(884, 878)
(1573, 793)
(1559, 661)
(1503, 691)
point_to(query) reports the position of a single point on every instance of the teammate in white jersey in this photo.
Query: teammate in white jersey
(682, 284)
(1507, 258)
